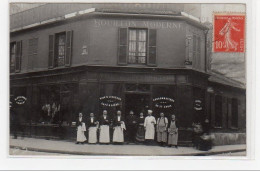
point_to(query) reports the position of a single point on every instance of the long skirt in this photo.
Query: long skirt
(162, 136)
(80, 135)
(173, 139)
(92, 135)
(104, 136)
(140, 134)
(118, 135)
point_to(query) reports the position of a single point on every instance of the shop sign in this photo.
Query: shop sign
(163, 102)
(198, 105)
(110, 101)
(20, 100)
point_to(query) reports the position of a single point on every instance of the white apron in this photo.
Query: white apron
(80, 133)
(118, 135)
(149, 127)
(92, 135)
(104, 136)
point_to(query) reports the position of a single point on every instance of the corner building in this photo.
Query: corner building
(95, 59)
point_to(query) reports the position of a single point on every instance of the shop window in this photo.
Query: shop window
(234, 115)
(218, 111)
(32, 52)
(58, 103)
(15, 56)
(134, 47)
(60, 49)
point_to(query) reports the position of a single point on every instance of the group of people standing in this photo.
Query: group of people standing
(131, 128)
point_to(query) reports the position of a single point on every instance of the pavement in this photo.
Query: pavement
(43, 147)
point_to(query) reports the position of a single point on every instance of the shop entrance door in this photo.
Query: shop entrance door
(137, 102)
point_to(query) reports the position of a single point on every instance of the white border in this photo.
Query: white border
(141, 163)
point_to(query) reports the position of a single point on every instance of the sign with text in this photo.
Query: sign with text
(163, 102)
(110, 101)
(229, 33)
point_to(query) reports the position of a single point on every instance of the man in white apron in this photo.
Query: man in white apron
(81, 128)
(149, 123)
(92, 124)
(104, 136)
(119, 127)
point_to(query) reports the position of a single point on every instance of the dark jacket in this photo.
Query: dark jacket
(131, 120)
(79, 123)
(103, 121)
(116, 122)
(91, 124)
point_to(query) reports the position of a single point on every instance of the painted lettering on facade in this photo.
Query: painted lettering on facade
(146, 24)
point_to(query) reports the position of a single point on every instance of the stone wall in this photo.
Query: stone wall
(228, 138)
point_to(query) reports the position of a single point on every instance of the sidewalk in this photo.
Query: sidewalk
(64, 147)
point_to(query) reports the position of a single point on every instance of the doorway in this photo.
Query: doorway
(137, 102)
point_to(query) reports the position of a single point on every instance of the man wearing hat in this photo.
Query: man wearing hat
(149, 123)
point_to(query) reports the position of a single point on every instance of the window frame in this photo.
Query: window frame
(137, 46)
(56, 49)
(14, 54)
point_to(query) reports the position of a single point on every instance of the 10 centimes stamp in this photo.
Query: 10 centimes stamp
(229, 32)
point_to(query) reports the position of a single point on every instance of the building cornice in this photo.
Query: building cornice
(93, 11)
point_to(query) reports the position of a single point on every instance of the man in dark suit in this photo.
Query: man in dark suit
(131, 127)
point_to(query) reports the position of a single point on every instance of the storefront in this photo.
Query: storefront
(55, 99)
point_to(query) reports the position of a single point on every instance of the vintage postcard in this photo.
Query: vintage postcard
(127, 79)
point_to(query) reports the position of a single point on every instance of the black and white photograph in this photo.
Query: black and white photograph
(127, 79)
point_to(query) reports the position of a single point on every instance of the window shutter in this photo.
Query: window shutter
(51, 51)
(194, 50)
(69, 36)
(18, 56)
(151, 47)
(122, 47)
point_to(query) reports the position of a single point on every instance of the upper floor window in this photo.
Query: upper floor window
(15, 56)
(60, 41)
(12, 56)
(60, 49)
(137, 46)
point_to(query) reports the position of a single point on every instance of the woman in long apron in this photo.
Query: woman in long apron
(81, 128)
(104, 136)
(140, 130)
(173, 133)
(92, 130)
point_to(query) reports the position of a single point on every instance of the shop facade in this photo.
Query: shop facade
(106, 61)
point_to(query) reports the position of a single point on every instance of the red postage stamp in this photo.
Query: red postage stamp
(229, 33)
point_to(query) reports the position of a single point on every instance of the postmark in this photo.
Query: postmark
(229, 32)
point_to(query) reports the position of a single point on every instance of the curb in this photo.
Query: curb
(202, 153)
